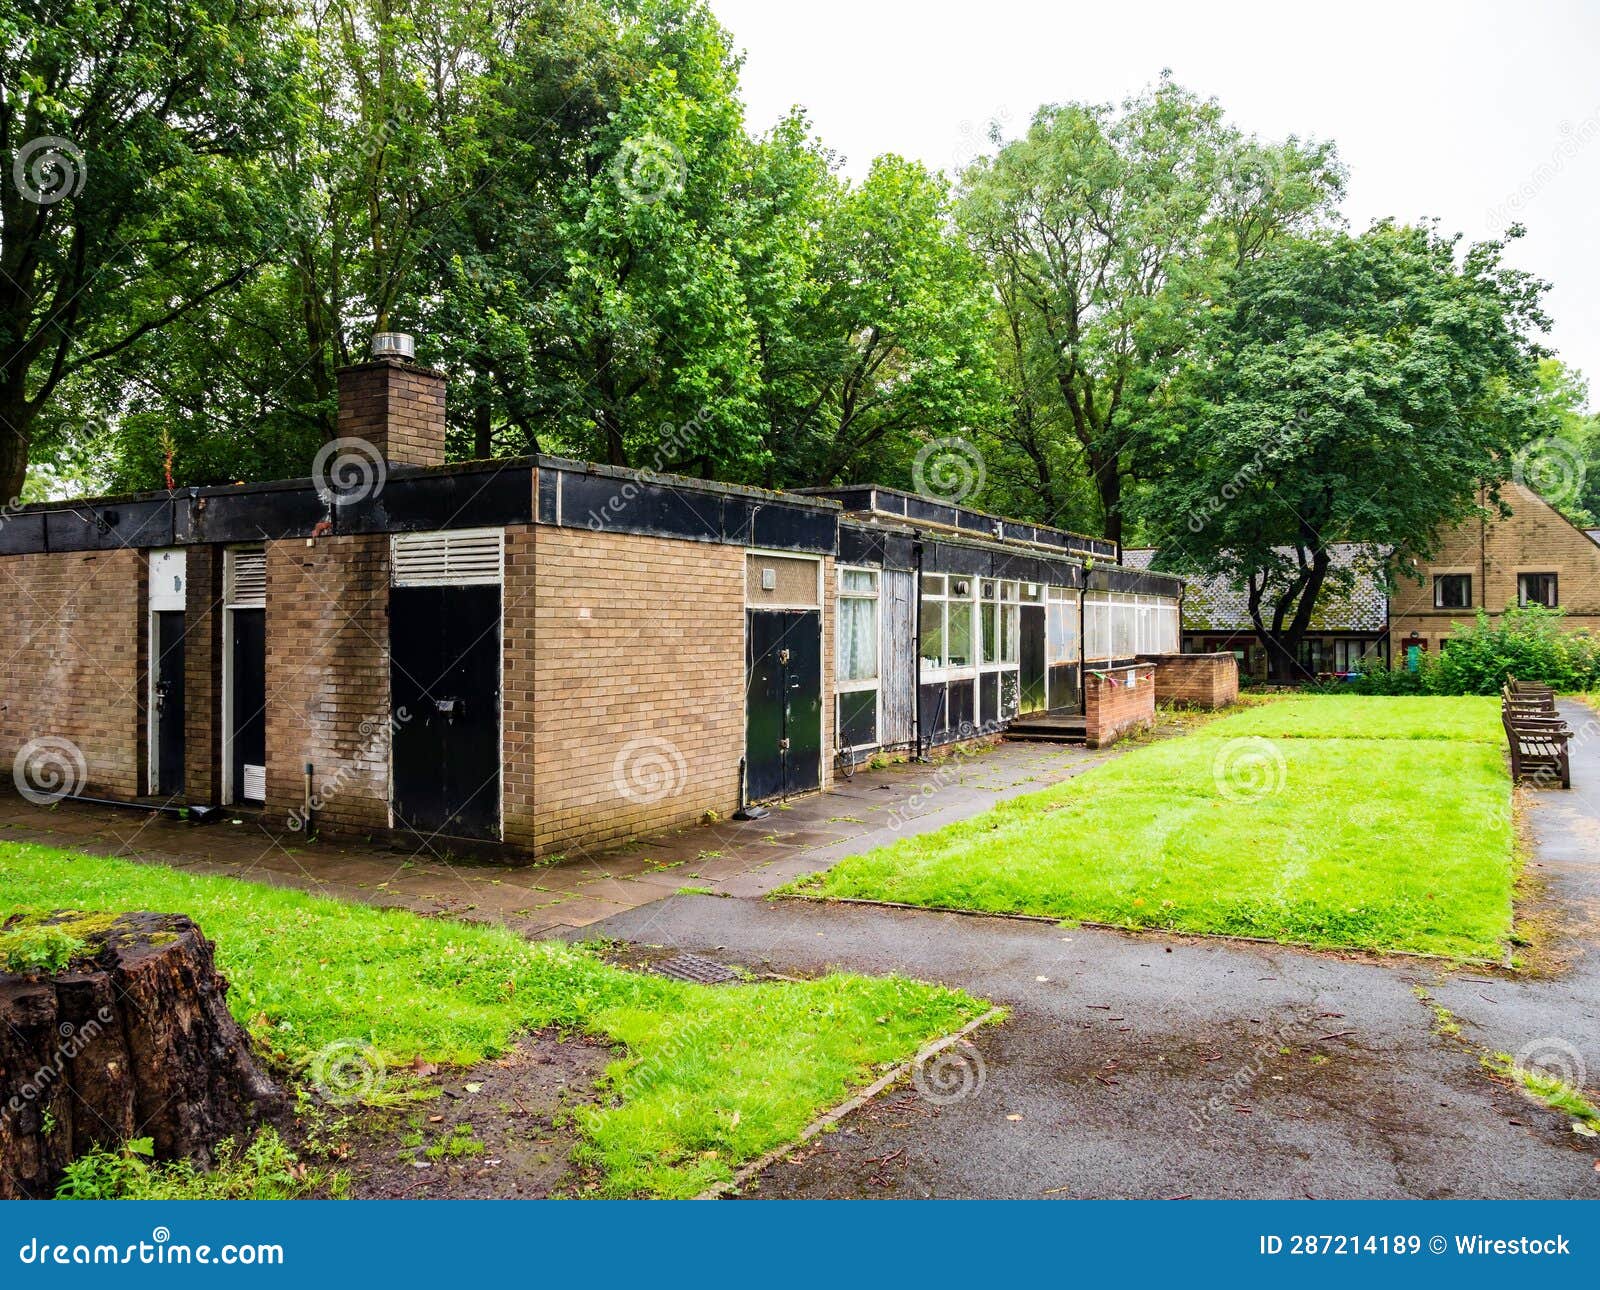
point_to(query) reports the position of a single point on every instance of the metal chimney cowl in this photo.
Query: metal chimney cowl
(394, 344)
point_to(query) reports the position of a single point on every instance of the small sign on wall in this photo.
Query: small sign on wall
(167, 576)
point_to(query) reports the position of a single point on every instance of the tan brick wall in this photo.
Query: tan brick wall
(1535, 538)
(519, 605)
(202, 675)
(1196, 680)
(397, 407)
(328, 679)
(1112, 710)
(73, 637)
(638, 684)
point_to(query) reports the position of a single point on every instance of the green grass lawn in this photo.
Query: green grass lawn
(1255, 825)
(712, 1076)
(1360, 716)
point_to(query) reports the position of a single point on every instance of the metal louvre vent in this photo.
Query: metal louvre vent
(457, 559)
(247, 579)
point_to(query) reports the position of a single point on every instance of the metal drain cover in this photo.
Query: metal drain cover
(691, 967)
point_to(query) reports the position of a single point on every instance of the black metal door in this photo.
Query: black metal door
(167, 668)
(1031, 659)
(444, 685)
(248, 676)
(783, 723)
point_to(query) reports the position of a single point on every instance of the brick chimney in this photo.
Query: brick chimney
(394, 404)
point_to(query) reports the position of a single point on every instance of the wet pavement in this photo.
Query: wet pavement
(1155, 1066)
(580, 888)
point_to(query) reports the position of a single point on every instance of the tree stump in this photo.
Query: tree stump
(132, 1039)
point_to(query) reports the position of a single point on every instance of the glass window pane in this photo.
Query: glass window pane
(1011, 633)
(933, 584)
(932, 632)
(991, 631)
(859, 580)
(858, 639)
(958, 638)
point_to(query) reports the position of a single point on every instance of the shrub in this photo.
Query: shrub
(265, 1169)
(1526, 643)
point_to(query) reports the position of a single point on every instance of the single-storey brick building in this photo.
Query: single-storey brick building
(535, 652)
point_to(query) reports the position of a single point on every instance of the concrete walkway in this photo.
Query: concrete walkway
(551, 898)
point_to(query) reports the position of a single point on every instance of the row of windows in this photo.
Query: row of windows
(1454, 590)
(974, 626)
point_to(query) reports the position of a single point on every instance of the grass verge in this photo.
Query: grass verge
(711, 1077)
(1394, 842)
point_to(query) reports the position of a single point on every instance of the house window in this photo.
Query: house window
(856, 658)
(1452, 591)
(1537, 589)
(948, 630)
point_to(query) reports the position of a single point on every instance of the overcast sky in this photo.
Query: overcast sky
(1475, 113)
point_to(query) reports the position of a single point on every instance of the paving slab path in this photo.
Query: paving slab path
(560, 894)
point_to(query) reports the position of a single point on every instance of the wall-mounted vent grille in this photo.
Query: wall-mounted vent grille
(247, 579)
(456, 559)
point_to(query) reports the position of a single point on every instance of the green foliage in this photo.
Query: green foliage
(31, 948)
(263, 1169)
(145, 125)
(1276, 822)
(1111, 235)
(1363, 389)
(1531, 644)
(711, 1076)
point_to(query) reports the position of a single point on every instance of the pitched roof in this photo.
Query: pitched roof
(1213, 604)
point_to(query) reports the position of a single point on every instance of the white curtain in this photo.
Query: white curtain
(858, 639)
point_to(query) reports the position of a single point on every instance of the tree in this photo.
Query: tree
(1362, 390)
(1109, 235)
(1565, 467)
(871, 327)
(135, 132)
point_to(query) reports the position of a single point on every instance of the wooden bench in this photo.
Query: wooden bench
(1536, 735)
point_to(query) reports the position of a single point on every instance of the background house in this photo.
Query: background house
(1533, 556)
(1348, 625)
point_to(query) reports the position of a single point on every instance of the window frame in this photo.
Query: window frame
(1555, 588)
(875, 681)
(1438, 589)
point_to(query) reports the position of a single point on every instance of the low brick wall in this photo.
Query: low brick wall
(1117, 700)
(1195, 680)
